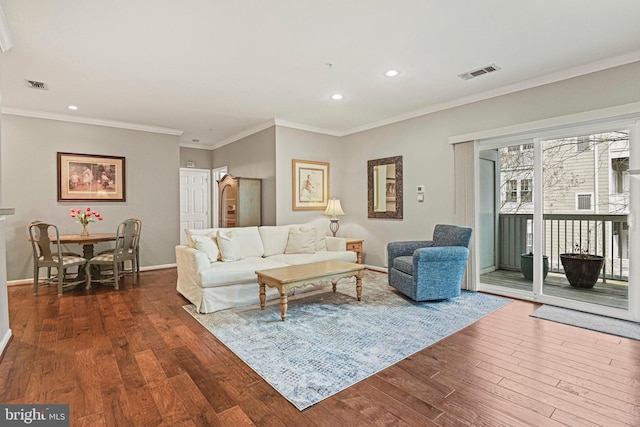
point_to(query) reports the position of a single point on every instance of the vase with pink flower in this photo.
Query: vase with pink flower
(84, 218)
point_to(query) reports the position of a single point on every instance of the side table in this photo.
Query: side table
(355, 245)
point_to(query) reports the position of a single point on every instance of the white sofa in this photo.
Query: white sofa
(217, 269)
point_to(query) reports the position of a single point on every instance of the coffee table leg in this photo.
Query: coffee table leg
(359, 287)
(283, 306)
(334, 286)
(263, 296)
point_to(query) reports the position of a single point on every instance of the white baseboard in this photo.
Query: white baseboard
(158, 267)
(377, 268)
(147, 268)
(5, 341)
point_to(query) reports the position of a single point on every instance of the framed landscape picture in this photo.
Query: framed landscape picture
(310, 185)
(91, 178)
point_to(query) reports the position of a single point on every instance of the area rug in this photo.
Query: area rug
(595, 322)
(331, 341)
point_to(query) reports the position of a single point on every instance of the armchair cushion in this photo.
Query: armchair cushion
(404, 264)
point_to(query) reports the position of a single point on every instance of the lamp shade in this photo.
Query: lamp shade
(334, 208)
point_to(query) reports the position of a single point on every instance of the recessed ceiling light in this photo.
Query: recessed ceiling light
(336, 97)
(392, 73)
(72, 107)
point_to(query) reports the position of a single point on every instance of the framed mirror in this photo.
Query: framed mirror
(384, 178)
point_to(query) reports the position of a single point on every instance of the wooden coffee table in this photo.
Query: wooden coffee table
(286, 278)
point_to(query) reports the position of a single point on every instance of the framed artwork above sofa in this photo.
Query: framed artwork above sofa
(310, 185)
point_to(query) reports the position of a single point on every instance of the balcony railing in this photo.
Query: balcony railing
(605, 235)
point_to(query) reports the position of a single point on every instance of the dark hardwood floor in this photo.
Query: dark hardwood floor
(134, 357)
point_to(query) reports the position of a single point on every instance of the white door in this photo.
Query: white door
(195, 188)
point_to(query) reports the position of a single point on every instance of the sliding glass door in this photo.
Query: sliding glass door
(586, 205)
(506, 211)
(555, 208)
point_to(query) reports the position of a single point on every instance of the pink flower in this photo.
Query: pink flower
(85, 217)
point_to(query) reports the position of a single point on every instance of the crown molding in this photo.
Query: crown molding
(505, 90)
(293, 125)
(243, 134)
(5, 36)
(90, 121)
(261, 127)
(198, 146)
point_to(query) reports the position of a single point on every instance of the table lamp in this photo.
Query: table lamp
(334, 210)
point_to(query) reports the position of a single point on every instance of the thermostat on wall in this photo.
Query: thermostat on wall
(420, 188)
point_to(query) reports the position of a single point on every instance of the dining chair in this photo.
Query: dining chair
(46, 256)
(136, 246)
(116, 259)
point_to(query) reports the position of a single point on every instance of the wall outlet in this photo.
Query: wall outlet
(420, 188)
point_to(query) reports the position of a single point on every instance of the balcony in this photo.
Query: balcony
(605, 235)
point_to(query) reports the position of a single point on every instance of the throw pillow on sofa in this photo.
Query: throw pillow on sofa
(274, 238)
(240, 243)
(301, 240)
(250, 241)
(230, 249)
(207, 245)
(321, 237)
(192, 232)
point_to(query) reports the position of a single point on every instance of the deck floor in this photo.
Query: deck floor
(613, 293)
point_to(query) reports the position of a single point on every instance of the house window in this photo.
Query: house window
(526, 191)
(583, 143)
(512, 190)
(584, 201)
(620, 180)
(521, 147)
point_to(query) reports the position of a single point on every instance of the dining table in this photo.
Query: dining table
(88, 242)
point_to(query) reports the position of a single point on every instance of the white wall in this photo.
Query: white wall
(298, 144)
(202, 158)
(28, 161)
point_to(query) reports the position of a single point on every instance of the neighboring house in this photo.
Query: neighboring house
(583, 175)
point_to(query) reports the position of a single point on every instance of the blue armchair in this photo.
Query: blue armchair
(430, 270)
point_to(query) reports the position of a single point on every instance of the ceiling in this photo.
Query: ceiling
(214, 70)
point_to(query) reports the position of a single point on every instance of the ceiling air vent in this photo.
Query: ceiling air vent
(479, 72)
(37, 85)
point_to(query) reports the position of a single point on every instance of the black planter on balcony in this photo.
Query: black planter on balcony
(526, 265)
(582, 270)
